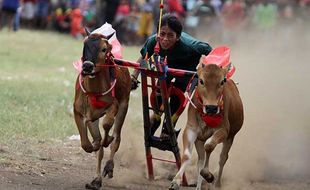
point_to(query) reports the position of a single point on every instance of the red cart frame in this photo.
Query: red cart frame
(159, 73)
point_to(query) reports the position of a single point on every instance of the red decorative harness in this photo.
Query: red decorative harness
(214, 120)
(94, 97)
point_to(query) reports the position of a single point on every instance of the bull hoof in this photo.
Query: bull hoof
(95, 184)
(208, 176)
(108, 169)
(96, 145)
(107, 141)
(87, 148)
(174, 186)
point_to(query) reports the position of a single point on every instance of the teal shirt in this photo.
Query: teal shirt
(184, 55)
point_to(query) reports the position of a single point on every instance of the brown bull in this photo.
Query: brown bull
(102, 89)
(215, 116)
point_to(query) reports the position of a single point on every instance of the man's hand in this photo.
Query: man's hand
(134, 82)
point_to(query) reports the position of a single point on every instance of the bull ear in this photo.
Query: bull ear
(227, 68)
(200, 64)
(109, 36)
(87, 31)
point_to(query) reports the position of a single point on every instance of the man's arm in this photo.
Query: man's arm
(134, 77)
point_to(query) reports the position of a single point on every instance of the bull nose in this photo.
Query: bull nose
(211, 109)
(87, 67)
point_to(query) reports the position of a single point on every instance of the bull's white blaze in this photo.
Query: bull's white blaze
(209, 140)
(187, 153)
(178, 176)
(191, 135)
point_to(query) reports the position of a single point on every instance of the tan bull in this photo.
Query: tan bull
(102, 89)
(215, 116)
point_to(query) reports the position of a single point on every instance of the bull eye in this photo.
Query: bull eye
(201, 81)
(104, 50)
(223, 81)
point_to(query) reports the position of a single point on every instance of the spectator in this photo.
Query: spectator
(176, 8)
(120, 22)
(156, 10)
(110, 10)
(76, 28)
(42, 13)
(133, 25)
(146, 20)
(233, 14)
(9, 10)
(217, 5)
(74, 4)
(16, 23)
(61, 20)
(122, 12)
(28, 12)
(265, 15)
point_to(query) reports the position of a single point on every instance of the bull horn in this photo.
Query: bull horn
(201, 64)
(109, 36)
(87, 31)
(228, 66)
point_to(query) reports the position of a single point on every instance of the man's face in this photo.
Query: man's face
(167, 37)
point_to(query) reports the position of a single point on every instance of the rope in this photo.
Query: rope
(99, 94)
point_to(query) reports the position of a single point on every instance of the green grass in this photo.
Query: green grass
(37, 84)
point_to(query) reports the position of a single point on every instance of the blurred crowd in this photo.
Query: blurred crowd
(135, 20)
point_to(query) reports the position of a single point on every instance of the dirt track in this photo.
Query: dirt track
(271, 152)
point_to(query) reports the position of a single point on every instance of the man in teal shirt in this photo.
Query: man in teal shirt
(182, 51)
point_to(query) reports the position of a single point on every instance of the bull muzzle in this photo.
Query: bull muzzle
(211, 109)
(88, 68)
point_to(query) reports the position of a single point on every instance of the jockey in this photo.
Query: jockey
(182, 51)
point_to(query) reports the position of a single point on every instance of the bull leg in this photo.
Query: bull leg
(119, 121)
(201, 161)
(204, 172)
(107, 124)
(85, 143)
(95, 133)
(97, 182)
(189, 137)
(223, 158)
(209, 146)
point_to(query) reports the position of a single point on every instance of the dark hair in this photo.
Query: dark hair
(172, 22)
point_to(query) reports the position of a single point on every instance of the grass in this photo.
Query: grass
(37, 84)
